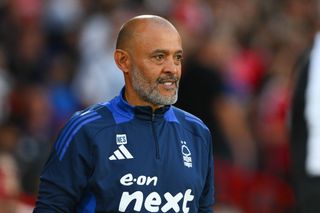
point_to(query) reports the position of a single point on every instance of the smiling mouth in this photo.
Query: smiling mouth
(169, 84)
(169, 80)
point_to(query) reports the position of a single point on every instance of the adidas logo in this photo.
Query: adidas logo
(121, 153)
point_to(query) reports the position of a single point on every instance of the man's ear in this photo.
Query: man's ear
(122, 60)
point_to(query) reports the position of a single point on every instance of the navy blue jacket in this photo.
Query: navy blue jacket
(114, 157)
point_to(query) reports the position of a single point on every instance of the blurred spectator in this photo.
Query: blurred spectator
(35, 136)
(5, 86)
(270, 122)
(28, 60)
(270, 113)
(63, 100)
(98, 78)
(222, 114)
(251, 192)
(305, 130)
(62, 15)
(10, 188)
(9, 136)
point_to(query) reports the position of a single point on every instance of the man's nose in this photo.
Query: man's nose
(172, 66)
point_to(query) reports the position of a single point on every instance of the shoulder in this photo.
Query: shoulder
(93, 115)
(190, 121)
(90, 120)
(82, 125)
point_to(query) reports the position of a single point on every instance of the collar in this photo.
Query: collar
(127, 112)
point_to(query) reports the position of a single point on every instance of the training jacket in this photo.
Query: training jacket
(114, 157)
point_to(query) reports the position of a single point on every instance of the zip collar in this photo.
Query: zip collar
(120, 105)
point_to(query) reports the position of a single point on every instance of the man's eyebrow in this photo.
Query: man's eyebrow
(166, 51)
(179, 52)
(160, 51)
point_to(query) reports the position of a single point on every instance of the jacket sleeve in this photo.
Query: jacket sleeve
(66, 173)
(207, 196)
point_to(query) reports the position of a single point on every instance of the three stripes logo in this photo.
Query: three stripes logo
(122, 152)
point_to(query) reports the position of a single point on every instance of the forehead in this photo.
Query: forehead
(152, 36)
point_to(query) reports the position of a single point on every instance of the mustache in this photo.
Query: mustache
(169, 77)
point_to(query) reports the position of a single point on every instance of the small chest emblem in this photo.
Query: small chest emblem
(122, 152)
(121, 139)
(186, 154)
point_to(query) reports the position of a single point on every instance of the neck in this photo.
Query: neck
(134, 100)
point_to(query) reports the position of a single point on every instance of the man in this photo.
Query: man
(135, 153)
(305, 131)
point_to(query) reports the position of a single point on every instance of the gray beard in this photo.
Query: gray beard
(150, 93)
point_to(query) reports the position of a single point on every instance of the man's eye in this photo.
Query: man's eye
(159, 57)
(179, 57)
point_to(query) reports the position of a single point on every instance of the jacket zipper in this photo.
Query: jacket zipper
(155, 137)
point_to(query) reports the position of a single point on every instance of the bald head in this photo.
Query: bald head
(132, 28)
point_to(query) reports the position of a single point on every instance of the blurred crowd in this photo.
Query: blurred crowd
(56, 57)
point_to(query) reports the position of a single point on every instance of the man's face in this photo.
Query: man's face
(156, 67)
